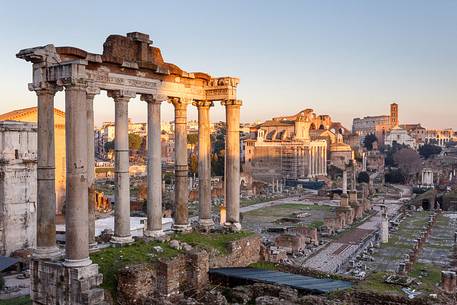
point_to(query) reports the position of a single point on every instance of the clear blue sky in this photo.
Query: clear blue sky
(343, 58)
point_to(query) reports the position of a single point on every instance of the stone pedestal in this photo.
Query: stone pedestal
(54, 284)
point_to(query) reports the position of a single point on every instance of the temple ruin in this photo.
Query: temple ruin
(129, 66)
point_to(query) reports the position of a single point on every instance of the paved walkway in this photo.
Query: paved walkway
(339, 251)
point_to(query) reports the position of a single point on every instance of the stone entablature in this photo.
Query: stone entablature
(142, 74)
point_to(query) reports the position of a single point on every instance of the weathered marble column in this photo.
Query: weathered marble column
(345, 182)
(154, 208)
(122, 233)
(310, 165)
(181, 168)
(76, 210)
(325, 162)
(91, 92)
(46, 191)
(204, 164)
(232, 157)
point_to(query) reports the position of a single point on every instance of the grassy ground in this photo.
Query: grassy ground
(427, 274)
(216, 242)
(111, 260)
(375, 282)
(248, 202)
(18, 301)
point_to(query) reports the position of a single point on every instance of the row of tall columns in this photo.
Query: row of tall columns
(318, 161)
(80, 188)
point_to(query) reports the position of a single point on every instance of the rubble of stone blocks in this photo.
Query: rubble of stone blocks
(53, 283)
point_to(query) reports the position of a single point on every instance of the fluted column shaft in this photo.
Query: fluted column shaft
(181, 167)
(46, 194)
(154, 207)
(232, 155)
(91, 165)
(76, 210)
(204, 163)
(122, 233)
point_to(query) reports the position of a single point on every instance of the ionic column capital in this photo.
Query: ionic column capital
(45, 89)
(236, 103)
(203, 104)
(121, 95)
(153, 98)
(179, 102)
(92, 91)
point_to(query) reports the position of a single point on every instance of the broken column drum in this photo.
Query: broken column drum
(129, 66)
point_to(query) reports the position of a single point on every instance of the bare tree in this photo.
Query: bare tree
(408, 161)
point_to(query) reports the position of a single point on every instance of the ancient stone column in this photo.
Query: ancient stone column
(154, 208)
(204, 164)
(345, 182)
(122, 233)
(324, 161)
(76, 210)
(46, 192)
(232, 157)
(91, 92)
(181, 168)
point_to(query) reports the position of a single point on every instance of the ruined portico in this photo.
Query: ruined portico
(128, 67)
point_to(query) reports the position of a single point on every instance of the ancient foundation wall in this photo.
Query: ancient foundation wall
(52, 283)
(241, 253)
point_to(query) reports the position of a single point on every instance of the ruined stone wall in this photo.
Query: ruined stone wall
(17, 186)
(241, 253)
(167, 278)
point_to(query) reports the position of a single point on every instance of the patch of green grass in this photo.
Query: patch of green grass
(264, 266)
(111, 260)
(17, 301)
(212, 241)
(429, 275)
(375, 282)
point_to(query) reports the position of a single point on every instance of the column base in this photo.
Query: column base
(93, 247)
(206, 223)
(75, 263)
(234, 226)
(51, 253)
(120, 241)
(182, 228)
(153, 233)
